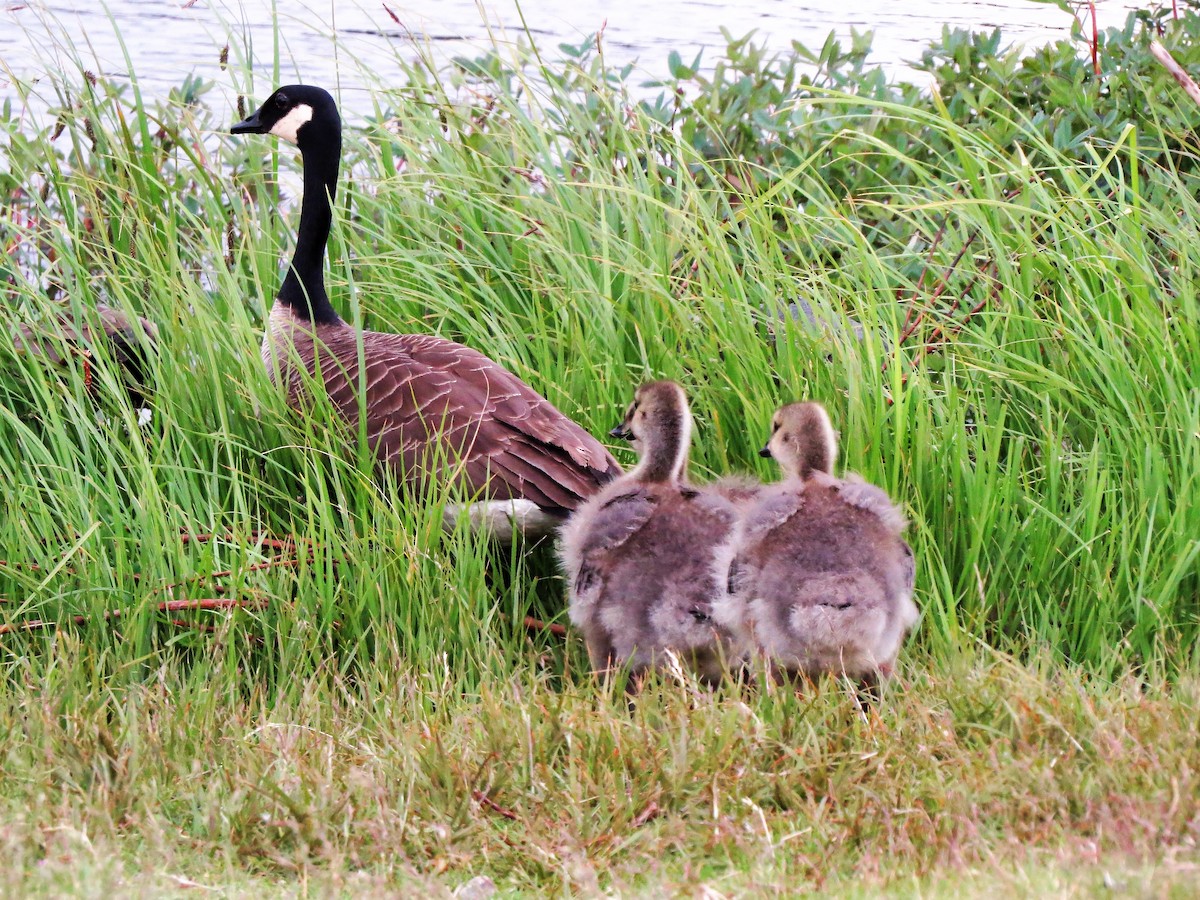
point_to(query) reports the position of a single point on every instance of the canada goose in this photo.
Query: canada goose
(435, 411)
(128, 340)
(638, 554)
(817, 577)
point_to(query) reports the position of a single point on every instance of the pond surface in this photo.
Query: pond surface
(167, 39)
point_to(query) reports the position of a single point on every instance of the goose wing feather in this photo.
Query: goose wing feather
(427, 395)
(617, 520)
(116, 326)
(773, 507)
(32, 339)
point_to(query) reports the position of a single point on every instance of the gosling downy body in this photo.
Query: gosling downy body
(128, 340)
(817, 576)
(435, 412)
(638, 554)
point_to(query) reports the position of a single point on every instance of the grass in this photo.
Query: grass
(985, 773)
(375, 718)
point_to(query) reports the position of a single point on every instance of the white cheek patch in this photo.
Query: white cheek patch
(288, 127)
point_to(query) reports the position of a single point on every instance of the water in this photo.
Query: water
(168, 39)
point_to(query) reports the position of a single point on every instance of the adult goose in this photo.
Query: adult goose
(434, 411)
(129, 341)
(818, 578)
(639, 554)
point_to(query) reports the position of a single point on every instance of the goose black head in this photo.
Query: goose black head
(299, 113)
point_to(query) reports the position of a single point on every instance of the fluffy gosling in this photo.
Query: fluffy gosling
(638, 554)
(817, 576)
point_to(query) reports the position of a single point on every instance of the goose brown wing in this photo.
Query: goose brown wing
(617, 520)
(857, 492)
(129, 340)
(439, 409)
(114, 325)
(30, 339)
(773, 507)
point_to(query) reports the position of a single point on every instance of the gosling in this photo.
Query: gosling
(638, 555)
(817, 577)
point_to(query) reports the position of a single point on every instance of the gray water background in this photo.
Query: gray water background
(319, 41)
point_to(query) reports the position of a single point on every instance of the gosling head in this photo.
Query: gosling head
(299, 113)
(802, 440)
(659, 424)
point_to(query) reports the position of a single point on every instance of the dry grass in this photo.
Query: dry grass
(985, 777)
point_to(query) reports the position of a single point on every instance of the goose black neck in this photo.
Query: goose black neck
(303, 287)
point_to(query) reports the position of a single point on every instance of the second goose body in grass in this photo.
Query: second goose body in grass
(130, 340)
(818, 578)
(434, 411)
(638, 555)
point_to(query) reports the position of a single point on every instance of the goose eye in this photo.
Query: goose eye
(281, 101)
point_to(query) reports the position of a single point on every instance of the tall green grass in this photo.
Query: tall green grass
(1045, 446)
(1046, 449)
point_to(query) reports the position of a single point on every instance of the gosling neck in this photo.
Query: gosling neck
(665, 450)
(816, 457)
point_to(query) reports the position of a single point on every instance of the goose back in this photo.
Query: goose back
(437, 412)
(638, 560)
(820, 584)
(130, 340)
(817, 577)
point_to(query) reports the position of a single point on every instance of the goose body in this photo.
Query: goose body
(433, 411)
(817, 576)
(638, 554)
(129, 340)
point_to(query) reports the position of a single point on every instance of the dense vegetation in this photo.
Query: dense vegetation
(990, 283)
